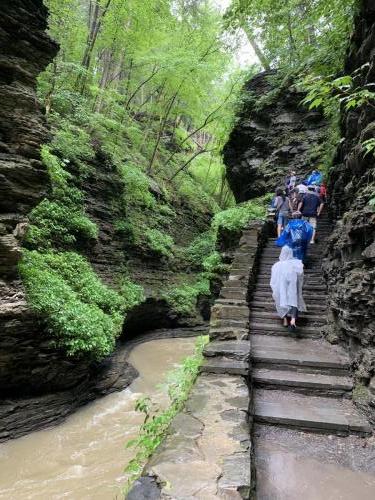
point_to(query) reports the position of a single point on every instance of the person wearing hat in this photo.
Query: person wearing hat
(310, 207)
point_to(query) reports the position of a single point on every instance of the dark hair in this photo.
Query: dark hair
(280, 192)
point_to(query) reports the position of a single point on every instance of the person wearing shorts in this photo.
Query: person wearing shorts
(282, 209)
(311, 207)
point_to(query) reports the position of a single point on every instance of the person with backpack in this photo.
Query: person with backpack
(294, 200)
(282, 210)
(311, 206)
(314, 179)
(297, 236)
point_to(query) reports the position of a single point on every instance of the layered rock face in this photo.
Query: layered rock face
(274, 135)
(28, 365)
(351, 253)
(39, 384)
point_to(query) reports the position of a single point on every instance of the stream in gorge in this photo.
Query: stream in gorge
(84, 457)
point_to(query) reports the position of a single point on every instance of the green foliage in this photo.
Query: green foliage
(329, 92)
(183, 299)
(131, 293)
(72, 143)
(369, 146)
(83, 315)
(156, 422)
(137, 186)
(61, 220)
(55, 223)
(160, 243)
(293, 34)
(237, 217)
(193, 194)
(200, 248)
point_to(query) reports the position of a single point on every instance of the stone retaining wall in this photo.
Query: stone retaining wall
(207, 452)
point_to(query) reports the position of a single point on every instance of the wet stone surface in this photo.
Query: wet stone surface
(292, 464)
(207, 452)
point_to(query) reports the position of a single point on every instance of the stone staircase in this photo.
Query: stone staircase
(301, 382)
(254, 370)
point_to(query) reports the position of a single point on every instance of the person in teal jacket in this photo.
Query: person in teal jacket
(297, 236)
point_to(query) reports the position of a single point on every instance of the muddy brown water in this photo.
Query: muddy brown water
(84, 457)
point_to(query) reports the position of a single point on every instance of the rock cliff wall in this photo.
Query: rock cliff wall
(27, 364)
(351, 253)
(274, 134)
(39, 384)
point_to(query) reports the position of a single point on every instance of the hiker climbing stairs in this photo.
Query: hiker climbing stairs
(300, 382)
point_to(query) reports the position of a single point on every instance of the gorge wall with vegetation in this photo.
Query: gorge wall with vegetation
(274, 134)
(351, 253)
(317, 110)
(111, 222)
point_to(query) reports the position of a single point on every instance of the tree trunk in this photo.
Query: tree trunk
(95, 22)
(258, 51)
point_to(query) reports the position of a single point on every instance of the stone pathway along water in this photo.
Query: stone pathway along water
(309, 439)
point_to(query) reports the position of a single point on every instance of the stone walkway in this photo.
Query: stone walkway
(296, 385)
(206, 454)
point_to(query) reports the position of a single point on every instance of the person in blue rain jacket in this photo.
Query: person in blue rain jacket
(315, 178)
(297, 236)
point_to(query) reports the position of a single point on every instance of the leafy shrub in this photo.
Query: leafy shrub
(131, 293)
(194, 195)
(84, 316)
(61, 220)
(136, 186)
(53, 222)
(183, 299)
(166, 210)
(160, 243)
(125, 229)
(237, 217)
(213, 264)
(77, 307)
(200, 248)
(72, 143)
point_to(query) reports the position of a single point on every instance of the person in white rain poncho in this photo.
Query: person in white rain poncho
(286, 284)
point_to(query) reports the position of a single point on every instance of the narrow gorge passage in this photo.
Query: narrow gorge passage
(303, 386)
(84, 457)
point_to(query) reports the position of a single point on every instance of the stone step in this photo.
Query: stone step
(233, 282)
(225, 310)
(306, 288)
(229, 323)
(262, 328)
(307, 295)
(311, 413)
(314, 264)
(269, 305)
(225, 365)
(302, 381)
(316, 252)
(231, 301)
(306, 283)
(231, 349)
(306, 318)
(228, 333)
(233, 293)
(265, 272)
(297, 352)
